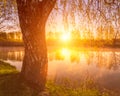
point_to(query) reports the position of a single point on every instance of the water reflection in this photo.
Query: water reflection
(101, 65)
(101, 59)
(14, 54)
(75, 63)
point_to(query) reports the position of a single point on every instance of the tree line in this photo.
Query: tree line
(11, 36)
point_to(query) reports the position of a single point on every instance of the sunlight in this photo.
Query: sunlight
(65, 52)
(65, 37)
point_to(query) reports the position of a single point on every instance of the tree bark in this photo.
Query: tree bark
(33, 15)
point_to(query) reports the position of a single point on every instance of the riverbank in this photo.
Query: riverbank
(77, 43)
(11, 43)
(85, 43)
(11, 85)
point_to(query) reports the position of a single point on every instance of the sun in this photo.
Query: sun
(65, 37)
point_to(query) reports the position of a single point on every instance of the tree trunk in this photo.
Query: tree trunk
(33, 15)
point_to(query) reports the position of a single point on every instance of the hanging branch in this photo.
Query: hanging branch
(109, 2)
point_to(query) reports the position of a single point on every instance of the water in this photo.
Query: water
(102, 65)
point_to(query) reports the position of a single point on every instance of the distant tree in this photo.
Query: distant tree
(3, 35)
(7, 12)
(33, 15)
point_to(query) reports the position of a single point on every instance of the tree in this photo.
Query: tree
(33, 15)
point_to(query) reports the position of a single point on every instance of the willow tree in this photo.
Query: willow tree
(33, 15)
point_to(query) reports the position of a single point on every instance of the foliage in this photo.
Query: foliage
(94, 19)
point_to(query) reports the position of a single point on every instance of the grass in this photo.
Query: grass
(11, 85)
(57, 90)
(10, 82)
(60, 90)
(6, 68)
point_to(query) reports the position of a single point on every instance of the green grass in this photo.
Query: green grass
(10, 82)
(11, 85)
(6, 68)
(58, 90)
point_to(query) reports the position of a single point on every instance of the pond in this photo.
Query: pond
(102, 65)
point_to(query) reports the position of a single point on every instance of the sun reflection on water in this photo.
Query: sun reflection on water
(65, 52)
(68, 54)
